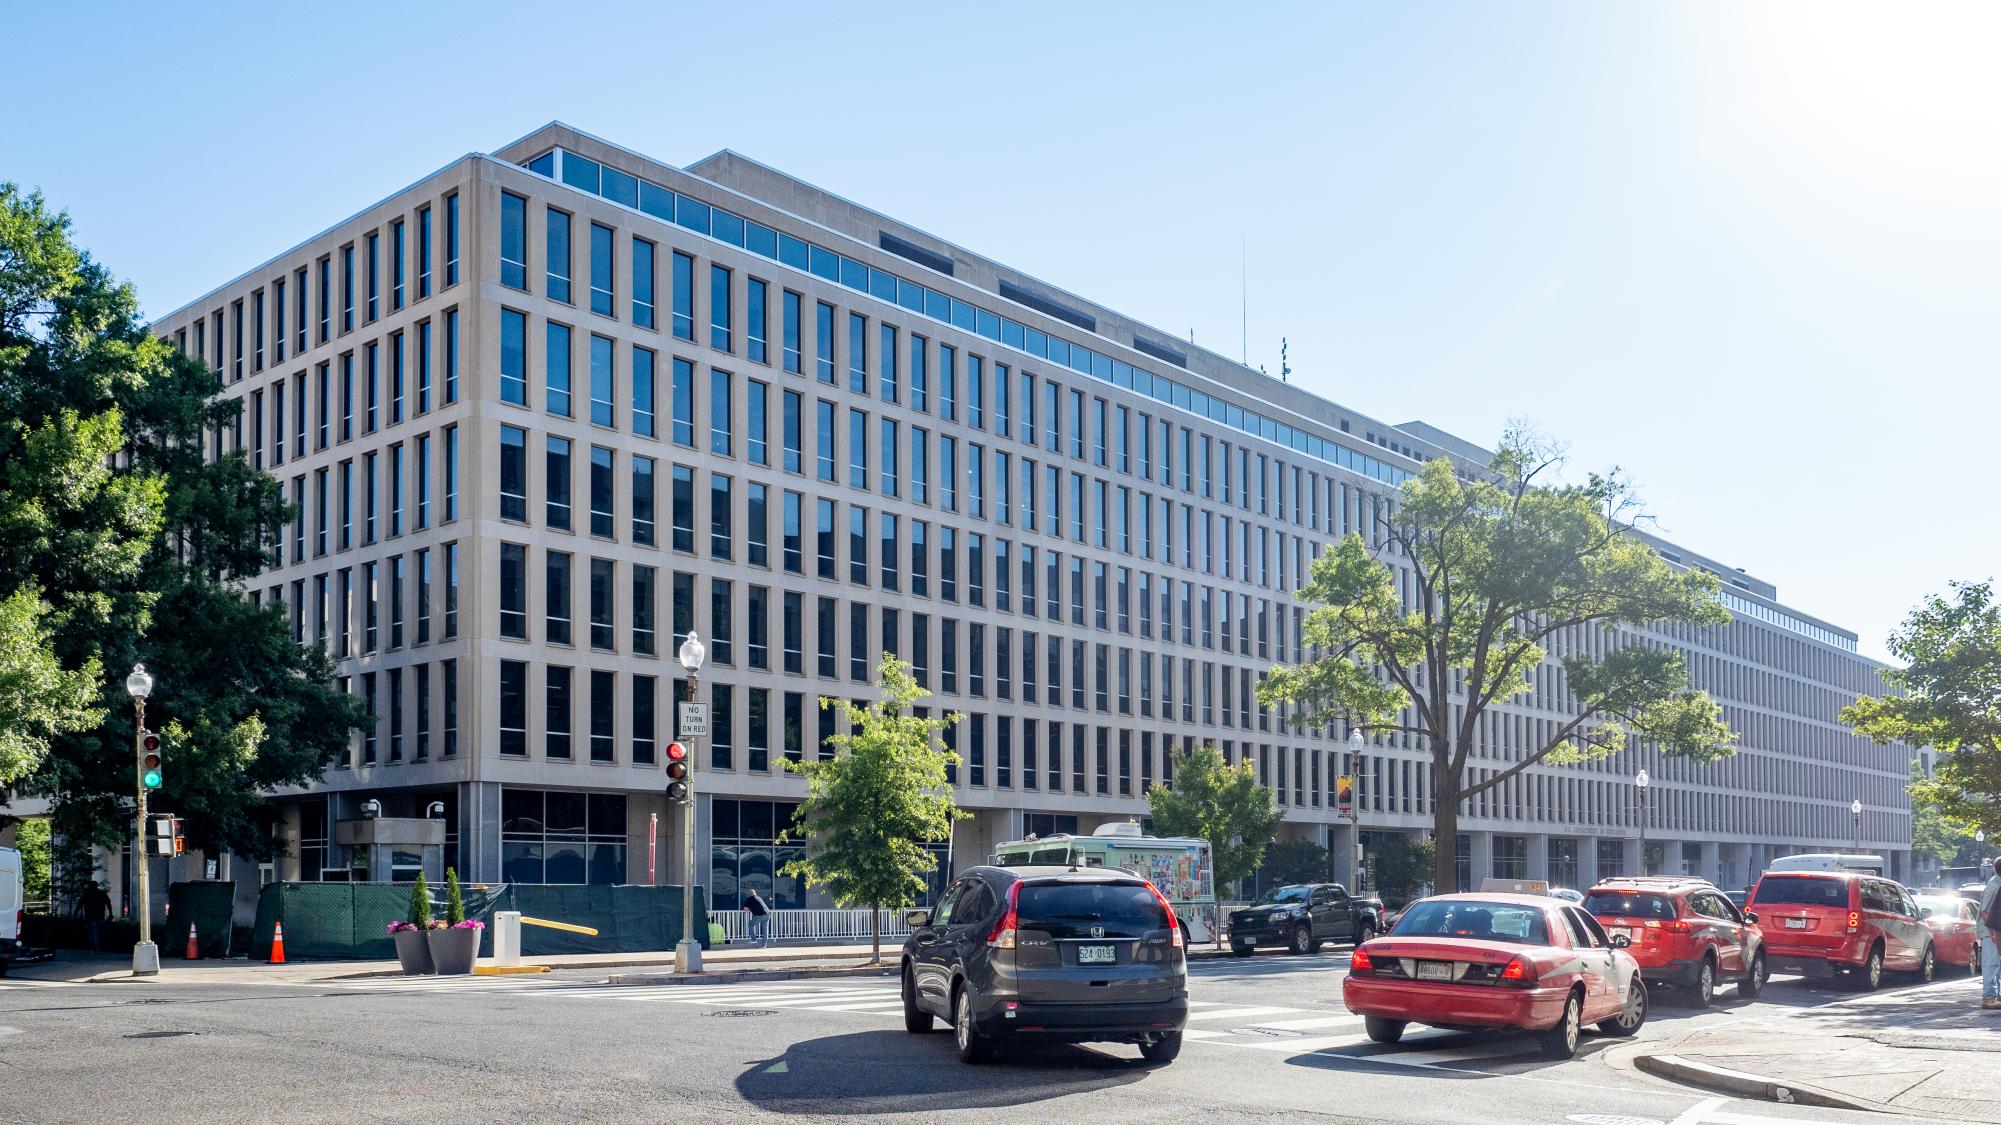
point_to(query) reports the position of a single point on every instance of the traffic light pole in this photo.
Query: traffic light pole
(145, 955)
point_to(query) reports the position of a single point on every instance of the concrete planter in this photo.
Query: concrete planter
(413, 950)
(454, 949)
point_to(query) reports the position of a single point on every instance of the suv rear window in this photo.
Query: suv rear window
(1801, 890)
(1628, 905)
(1071, 910)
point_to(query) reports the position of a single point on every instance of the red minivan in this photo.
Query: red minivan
(1818, 923)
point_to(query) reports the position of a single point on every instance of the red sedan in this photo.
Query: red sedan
(1482, 961)
(1955, 927)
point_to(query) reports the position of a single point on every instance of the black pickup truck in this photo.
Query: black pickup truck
(1302, 916)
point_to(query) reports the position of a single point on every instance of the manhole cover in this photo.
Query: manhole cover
(157, 1034)
(1610, 1119)
(731, 1013)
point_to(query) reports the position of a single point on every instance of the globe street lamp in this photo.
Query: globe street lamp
(1355, 746)
(145, 955)
(1640, 783)
(1855, 810)
(688, 955)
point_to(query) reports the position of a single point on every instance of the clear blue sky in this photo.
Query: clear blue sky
(1749, 252)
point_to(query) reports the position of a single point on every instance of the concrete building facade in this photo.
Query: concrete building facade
(547, 409)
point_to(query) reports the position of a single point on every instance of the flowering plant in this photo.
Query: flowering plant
(399, 926)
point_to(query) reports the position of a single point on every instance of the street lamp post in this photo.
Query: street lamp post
(1855, 810)
(1640, 783)
(688, 955)
(145, 955)
(1355, 746)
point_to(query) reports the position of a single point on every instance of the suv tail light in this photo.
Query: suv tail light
(1361, 962)
(1002, 936)
(1518, 972)
(1166, 907)
(1854, 920)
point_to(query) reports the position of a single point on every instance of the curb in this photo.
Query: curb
(733, 976)
(1723, 1080)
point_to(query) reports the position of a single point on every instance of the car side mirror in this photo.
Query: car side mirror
(1751, 917)
(1621, 941)
(917, 919)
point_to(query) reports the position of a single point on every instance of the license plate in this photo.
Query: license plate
(1096, 955)
(1795, 923)
(1434, 970)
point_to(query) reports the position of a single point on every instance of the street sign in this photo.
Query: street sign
(694, 720)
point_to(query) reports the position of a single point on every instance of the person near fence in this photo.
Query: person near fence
(96, 907)
(760, 918)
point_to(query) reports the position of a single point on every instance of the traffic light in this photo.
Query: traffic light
(149, 759)
(679, 782)
(164, 840)
(1344, 792)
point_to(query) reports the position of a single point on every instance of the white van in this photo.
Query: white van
(10, 906)
(1829, 861)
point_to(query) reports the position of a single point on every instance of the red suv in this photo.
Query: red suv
(1823, 922)
(1685, 934)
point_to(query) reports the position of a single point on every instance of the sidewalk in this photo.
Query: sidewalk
(1923, 1051)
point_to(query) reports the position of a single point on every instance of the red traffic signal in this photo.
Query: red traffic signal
(677, 772)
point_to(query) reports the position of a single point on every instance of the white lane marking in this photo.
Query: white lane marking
(1312, 1024)
(1239, 1013)
(1700, 1111)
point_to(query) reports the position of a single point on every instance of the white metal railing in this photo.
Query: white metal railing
(811, 925)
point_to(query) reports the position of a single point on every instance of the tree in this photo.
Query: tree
(113, 518)
(1946, 695)
(1399, 865)
(1220, 803)
(1295, 861)
(1493, 569)
(871, 808)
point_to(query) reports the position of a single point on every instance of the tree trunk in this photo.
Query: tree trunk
(875, 933)
(1444, 832)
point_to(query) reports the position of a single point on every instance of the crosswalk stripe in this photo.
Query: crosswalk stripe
(1239, 1013)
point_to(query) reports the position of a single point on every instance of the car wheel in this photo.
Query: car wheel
(1630, 1017)
(1383, 1030)
(1869, 977)
(1242, 950)
(1928, 965)
(1161, 1048)
(973, 1047)
(1560, 1042)
(1703, 990)
(916, 1020)
(1302, 940)
(1754, 978)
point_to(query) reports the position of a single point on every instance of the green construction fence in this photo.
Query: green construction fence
(350, 921)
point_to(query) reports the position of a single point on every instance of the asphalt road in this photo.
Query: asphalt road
(1274, 1042)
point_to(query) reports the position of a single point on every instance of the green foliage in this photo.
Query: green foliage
(455, 903)
(883, 795)
(420, 903)
(108, 561)
(1399, 865)
(1295, 861)
(1221, 803)
(1499, 567)
(1947, 695)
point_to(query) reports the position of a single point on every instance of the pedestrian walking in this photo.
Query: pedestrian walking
(1990, 942)
(96, 906)
(760, 919)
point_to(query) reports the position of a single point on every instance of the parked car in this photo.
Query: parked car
(1303, 916)
(1479, 961)
(1819, 923)
(1955, 926)
(1061, 953)
(1685, 934)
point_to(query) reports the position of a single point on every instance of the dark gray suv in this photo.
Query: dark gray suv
(1051, 952)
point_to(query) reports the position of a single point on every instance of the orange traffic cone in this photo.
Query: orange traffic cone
(194, 951)
(278, 943)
